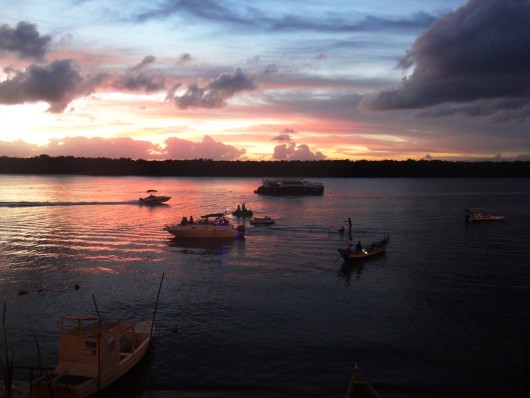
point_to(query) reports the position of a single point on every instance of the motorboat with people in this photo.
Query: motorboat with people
(262, 221)
(480, 215)
(289, 186)
(94, 352)
(242, 212)
(153, 199)
(214, 225)
(360, 251)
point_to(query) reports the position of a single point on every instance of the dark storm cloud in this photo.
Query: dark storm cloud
(57, 83)
(24, 41)
(137, 78)
(215, 93)
(477, 53)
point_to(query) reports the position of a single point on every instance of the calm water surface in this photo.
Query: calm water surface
(445, 312)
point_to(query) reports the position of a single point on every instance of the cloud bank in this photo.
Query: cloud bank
(57, 83)
(215, 93)
(289, 150)
(125, 147)
(477, 56)
(24, 41)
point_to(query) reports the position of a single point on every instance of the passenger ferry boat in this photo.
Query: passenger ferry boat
(289, 186)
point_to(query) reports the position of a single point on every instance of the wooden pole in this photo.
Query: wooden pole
(526, 374)
(96, 305)
(156, 306)
(38, 352)
(8, 371)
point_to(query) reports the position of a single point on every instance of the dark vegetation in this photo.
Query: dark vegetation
(45, 164)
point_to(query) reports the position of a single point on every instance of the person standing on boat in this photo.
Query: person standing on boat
(359, 247)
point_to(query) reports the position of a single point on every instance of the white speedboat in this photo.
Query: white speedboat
(154, 199)
(209, 226)
(93, 354)
(289, 186)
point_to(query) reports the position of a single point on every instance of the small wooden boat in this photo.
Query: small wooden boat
(481, 215)
(262, 221)
(359, 386)
(375, 248)
(93, 354)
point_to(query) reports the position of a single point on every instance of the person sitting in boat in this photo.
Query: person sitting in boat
(191, 220)
(359, 247)
(238, 209)
(243, 208)
(184, 221)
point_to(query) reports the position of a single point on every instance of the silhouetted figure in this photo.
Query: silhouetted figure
(191, 219)
(358, 246)
(184, 221)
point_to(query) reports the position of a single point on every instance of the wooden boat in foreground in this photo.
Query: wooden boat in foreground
(93, 354)
(359, 387)
(375, 248)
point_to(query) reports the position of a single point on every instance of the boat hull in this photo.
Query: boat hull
(262, 221)
(376, 248)
(289, 187)
(198, 231)
(289, 191)
(481, 215)
(154, 200)
(63, 385)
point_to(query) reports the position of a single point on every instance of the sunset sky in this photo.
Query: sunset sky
(266, 79)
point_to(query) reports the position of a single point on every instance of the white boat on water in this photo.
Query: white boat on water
(153, 199)
(93, 354)
(289, 186)
(481, 215)
(209, 226)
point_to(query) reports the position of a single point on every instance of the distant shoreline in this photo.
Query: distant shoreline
(69, 165)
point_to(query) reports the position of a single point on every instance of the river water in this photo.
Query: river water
(444, 312)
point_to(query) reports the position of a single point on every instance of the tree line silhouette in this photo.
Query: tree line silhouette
(45, 164)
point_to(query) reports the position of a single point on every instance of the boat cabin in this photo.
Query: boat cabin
(93, 346)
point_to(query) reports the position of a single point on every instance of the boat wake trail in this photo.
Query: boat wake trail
(41, 204)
